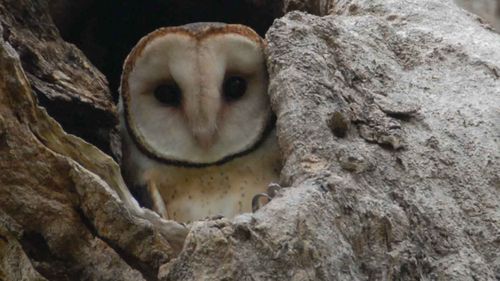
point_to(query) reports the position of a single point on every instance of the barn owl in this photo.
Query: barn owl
(197, 127)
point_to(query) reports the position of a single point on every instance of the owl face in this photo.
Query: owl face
(196, 94)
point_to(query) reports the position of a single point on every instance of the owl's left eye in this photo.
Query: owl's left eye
(234, 88)
(168, 94)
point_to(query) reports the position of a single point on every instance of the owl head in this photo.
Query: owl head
(196, 94)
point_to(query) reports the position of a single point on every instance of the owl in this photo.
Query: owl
(196, 122)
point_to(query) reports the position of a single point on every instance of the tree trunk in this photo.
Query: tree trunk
(388, 123)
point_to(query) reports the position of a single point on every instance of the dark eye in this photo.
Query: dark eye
(168, 94)
(234, 88)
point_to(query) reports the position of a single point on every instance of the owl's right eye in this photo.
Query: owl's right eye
(168, 94)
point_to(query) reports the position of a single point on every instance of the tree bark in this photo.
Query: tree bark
(388, 123)
(65, 213)
(65, 82)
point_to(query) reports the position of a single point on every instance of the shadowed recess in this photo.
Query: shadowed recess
(106, 31)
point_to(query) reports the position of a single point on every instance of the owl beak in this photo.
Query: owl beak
(205, 137)
(202, 113)
(205, 142)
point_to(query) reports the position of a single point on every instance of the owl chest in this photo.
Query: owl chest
(195, 193)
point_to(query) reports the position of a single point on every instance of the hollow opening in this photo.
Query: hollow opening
(106, 31)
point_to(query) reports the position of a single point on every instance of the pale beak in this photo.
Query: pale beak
(205, 137)
(202, 112)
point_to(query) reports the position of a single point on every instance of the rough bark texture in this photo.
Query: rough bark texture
(388, 121)
(65, 82)
(60, 211)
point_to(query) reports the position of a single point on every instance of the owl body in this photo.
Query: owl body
(192, 193)
(196, 121)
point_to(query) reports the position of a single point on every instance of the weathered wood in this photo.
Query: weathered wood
(388, 123)
(66, 83)
(64, 201)
(410, 192)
